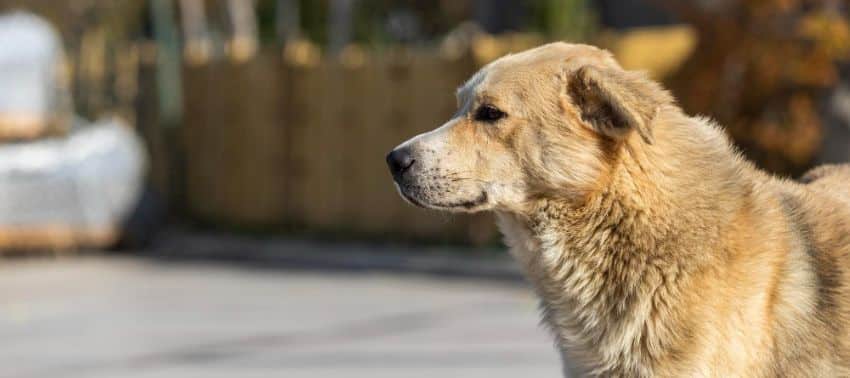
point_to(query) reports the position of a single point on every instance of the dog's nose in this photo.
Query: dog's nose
(399, 161)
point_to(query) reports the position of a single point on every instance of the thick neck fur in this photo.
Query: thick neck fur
(608, 269)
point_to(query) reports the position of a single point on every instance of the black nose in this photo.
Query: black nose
(399, 161)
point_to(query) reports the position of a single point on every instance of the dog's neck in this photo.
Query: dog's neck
(601, 265)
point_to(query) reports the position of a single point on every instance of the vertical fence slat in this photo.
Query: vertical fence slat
(316, 191)
(234, 142)
(196, 131)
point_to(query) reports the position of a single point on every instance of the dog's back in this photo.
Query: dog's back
(832, 178)
(821, 217)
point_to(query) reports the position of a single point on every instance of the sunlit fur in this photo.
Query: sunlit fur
(655, 248)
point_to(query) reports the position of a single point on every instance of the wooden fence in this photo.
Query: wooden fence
(277, 141)
(274, 144)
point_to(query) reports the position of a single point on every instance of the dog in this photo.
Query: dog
(655, 248)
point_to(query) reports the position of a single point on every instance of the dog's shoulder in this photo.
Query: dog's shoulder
(816, 211)
(831, 178)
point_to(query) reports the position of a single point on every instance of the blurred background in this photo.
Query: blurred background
(197, 187)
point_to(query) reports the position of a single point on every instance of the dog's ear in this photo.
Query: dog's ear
(615, 102)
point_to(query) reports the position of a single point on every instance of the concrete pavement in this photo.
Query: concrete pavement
(137, 317)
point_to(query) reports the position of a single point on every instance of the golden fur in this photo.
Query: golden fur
(655, 248)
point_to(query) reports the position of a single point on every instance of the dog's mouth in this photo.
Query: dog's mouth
(460, 205)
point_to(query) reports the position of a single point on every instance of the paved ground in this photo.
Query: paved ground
(135, 317)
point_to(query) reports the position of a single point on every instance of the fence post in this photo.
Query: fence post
(198, 46)
(243, 42)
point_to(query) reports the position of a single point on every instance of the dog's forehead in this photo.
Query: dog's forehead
(543, 60)
(503, 73)
(550, 55)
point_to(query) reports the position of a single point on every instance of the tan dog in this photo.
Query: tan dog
(656, 249)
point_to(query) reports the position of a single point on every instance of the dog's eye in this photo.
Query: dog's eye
(489, 113)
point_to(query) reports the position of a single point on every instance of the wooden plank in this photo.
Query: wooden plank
(263, 139)
(297, 118)
(247, 145)
(196, 134)
(315, 191)
(327, 149)
(352, 125)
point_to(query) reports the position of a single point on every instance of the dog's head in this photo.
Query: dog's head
(545, 122)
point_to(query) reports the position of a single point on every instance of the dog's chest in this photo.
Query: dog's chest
(530, 251)
(519, 239)
(558, 281)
